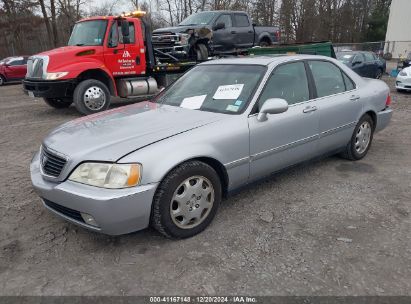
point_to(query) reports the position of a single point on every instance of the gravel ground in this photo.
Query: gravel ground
(332, 227)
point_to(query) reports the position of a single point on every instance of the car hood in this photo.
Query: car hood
(110, 135)
(179, 29)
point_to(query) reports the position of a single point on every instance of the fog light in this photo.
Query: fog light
(89, 219)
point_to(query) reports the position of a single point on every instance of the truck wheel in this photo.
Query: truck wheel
(201, 52)
(264, 43)
(186, 200)
(58, 103)
(2, 80)
(91, 96)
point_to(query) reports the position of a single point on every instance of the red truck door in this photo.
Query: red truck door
(16, 68)
(121, 58)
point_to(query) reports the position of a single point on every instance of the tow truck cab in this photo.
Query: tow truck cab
(105, 56)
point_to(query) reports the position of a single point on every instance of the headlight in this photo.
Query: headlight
(54, 76)
(184, 39)
(113, 176)
(403, 73)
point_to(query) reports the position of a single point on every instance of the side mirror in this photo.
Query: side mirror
(219, 26)
(125, 30)
(272, 106)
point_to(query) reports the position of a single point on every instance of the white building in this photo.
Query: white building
(398, 35)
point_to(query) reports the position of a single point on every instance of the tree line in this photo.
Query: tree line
(31, 26)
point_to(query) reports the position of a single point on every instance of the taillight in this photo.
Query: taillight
(388, 101)
(277, 35)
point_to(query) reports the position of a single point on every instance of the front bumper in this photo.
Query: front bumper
(116, 211)
(403, 83)
(49, 89)
(383, 119)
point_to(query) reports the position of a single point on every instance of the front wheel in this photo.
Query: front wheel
(2, 80)
(187, 200)
(361, 139)
(91, 96)
(58, 103)
(201, 52)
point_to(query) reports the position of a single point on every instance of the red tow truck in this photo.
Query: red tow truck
(105, 56)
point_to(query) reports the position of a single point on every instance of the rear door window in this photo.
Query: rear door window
(328, 78)
(241, 20)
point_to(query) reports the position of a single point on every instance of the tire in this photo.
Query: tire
(91, 96)
(379, 74)
(201, 52)
(264, 43)
(352, 150)
(165, 215)
(58, 103)
(2, 80)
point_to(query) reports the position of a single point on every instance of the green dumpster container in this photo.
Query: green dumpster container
(324, 48)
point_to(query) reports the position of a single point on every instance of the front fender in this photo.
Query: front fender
(76, 68)
(226, 143)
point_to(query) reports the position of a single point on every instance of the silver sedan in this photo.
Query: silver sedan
(224, 124)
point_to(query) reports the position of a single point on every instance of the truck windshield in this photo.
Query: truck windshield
(216, 88)
(88, 33)
(198, 19)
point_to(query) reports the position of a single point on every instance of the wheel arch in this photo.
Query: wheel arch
(373, 116)
(264, 37)
(100, 75)
(213, 163)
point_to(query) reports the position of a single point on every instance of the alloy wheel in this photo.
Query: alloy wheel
(363, 137)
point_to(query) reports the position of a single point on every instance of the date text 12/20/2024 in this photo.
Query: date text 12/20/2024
(205, 299)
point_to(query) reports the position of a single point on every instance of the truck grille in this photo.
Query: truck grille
(51, 164)
(35, 67)
(164, 39)
(73, 214)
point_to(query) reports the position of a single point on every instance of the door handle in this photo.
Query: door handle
(233, 32)
(354, 97)
(310, 109)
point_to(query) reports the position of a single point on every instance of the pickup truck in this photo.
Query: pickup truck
(212, 33)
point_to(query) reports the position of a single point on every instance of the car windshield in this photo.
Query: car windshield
(88, 33)
(215, 88)
(345, 57)
(199, 19)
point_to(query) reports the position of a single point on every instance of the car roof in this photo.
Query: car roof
(262, 60)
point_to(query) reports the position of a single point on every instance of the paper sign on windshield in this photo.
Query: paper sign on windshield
(231, 91)
(193, 103)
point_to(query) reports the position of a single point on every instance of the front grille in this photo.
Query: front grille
(73, 214)
(51, 163)
(35, 67)
(164, 39)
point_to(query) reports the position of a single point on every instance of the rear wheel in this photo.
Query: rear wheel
(2, 80)
(361, 139)
(264, 43)
(379, 74)
(91, 96)
(58, 103)
(187, 200)
(201, 52)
